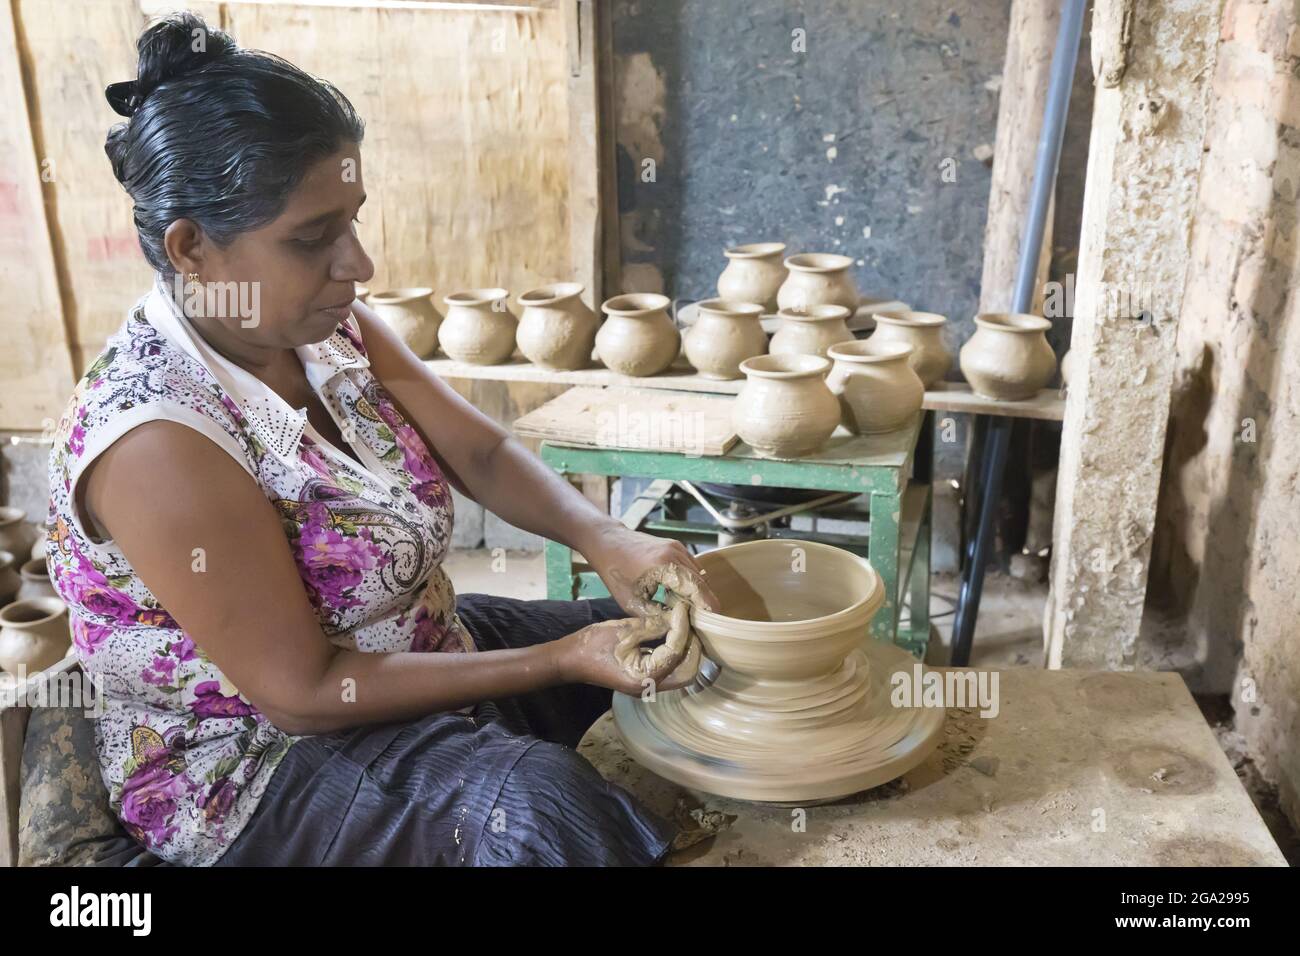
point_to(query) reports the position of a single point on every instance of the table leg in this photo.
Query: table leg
(560, 582)
(886, 514)
(919, 630)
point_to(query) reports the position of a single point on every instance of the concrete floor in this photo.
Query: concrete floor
(1009, 635)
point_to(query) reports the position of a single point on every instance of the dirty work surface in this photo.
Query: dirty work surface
(1079, 768)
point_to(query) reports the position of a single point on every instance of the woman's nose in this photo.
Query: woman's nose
(351, 264)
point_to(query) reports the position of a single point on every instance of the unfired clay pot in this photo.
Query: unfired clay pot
(1067, 368)
(16, 536)
(754, 274)
(1008, 357)
(810, 331)
(36, 580)
(478, 329)
(10, 582)
(38, 547)
(638, 338)
(410, 313)
(877, 387)
(724, 335)
(818, 278)
(556, 329)
(785, 409)
(33, 634)
(924, 332)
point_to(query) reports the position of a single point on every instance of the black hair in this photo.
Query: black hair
(217, 134)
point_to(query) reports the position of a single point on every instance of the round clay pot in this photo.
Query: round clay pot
(818, 278)
(36, 580)
(785, 409)
(33, 634)
(16, 535)
(363, 294)
(478, 329)
(38, 547)
(410, 313)
(924, 332)
(10, 581)
(724, 335)
(788, 617)
(753, 274)
(556, 329)
(1008, 357)
(877, 387)
(638, 338)
(810, 331)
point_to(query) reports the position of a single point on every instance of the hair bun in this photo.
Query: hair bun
(173, 47)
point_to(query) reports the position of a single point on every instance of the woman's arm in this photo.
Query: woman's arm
(163, 490)
(497, 471)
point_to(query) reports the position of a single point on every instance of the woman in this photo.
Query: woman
(249, 509)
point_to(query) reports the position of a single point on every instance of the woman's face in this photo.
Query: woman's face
(295, 277)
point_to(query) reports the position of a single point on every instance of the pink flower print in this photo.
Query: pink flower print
(87, 635)
(77, 440)
(184, 649)
(161, 672)
(432, 634)
(149, 798)
(210, 702)
(86, 586)
(216, 803)
(331, 562)
(310, 454)
(229, 404)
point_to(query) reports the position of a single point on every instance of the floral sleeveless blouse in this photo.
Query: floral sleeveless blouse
(185, 756)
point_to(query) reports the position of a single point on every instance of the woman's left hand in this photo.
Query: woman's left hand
(633, 565)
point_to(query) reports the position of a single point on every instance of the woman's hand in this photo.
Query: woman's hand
(633, 566)
(609, 654)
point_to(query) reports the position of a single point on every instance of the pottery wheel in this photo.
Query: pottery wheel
(806, 741)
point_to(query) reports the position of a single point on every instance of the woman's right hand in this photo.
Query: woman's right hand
(589, 656)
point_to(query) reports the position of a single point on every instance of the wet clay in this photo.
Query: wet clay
(800, 710)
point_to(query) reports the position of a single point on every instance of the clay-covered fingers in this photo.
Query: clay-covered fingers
(655, 664)
(681, 579)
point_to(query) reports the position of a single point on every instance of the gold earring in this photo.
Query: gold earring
(192, 277)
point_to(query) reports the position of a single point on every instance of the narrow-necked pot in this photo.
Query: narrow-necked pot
(411, 314)
(16, 535)
(754, 273)
(818, 278)
(785, 409)
(10, 580)
(1008, 357)
(33, 634)
(877, 387)
(724, 335)
(36, 580)
(924, 332)
(810, 331)
(638, 338)
(556, 329)
(479, 328)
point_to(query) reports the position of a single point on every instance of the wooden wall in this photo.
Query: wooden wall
(467, 158)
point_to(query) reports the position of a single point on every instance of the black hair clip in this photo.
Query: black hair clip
(123, 97)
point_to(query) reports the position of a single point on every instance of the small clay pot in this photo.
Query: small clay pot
(1008, 357)
(638, 338)
(877, 387)
(556, 329)
(411, 314)
(33, 634)
(753, 274)
(479, 328)
(38, 547)
(785, 409)
(16, 535)
(724, 335)
(924, 332)
(36, 580)
(811, 331)
(818, 278)
(10, 581)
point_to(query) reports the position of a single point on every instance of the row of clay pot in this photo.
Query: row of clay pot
(757, 273)
(33, 621)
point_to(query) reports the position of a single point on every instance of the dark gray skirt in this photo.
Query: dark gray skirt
(502, 786)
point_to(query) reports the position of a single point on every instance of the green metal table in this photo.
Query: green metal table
(878, 466)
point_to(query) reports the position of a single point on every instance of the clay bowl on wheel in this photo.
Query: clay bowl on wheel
(794, 609)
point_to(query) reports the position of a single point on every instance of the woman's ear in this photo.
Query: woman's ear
(184, 244)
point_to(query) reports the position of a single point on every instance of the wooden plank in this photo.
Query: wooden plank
(13, 728)
(1047, 405)
(36, 374)
(634, 419)
(681, 377)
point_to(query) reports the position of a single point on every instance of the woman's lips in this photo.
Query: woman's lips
(338, 312)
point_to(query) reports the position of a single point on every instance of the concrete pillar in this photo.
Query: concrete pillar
(1153, 63)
